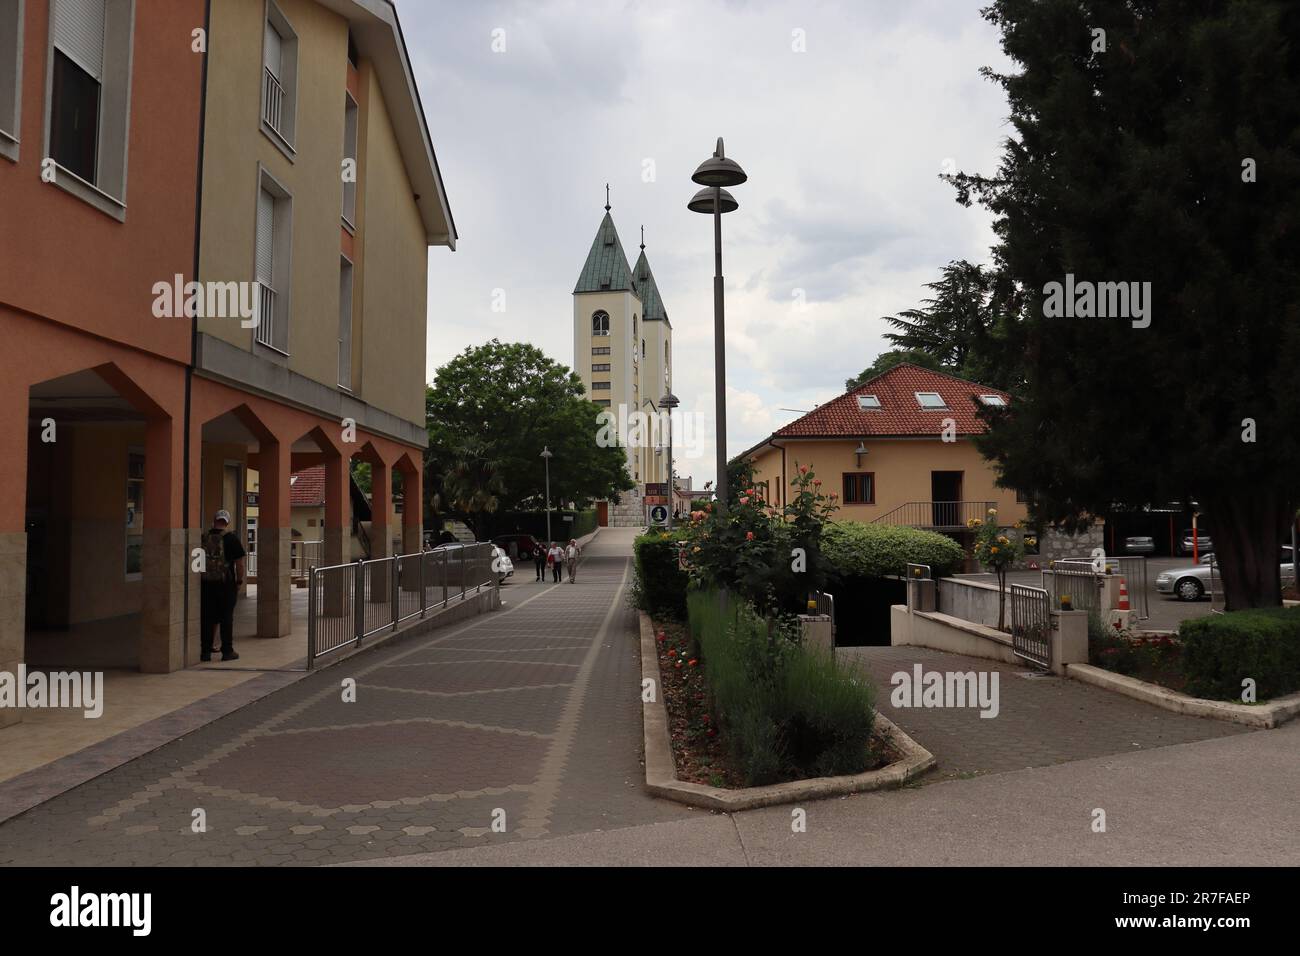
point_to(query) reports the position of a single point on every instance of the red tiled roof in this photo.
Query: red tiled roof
(899, 414)
(307, 489)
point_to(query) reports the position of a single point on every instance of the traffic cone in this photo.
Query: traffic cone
(1123, 595)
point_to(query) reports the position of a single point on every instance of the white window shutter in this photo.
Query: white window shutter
(79, 33)
(273, 43)
(265, 238)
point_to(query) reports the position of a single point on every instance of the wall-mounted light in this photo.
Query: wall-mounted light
(860, 451)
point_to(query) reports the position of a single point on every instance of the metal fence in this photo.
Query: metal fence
(1082, 587)
(915, 572)
(1132, 568)
(826, 606)
(1031, 625)
(347, 603)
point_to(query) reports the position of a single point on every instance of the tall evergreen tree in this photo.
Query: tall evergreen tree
(1155, 142)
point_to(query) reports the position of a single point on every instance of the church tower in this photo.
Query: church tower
(622, 344)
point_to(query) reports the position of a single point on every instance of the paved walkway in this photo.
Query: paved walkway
(528, 715)
(1042, 720)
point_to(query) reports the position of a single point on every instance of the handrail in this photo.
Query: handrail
(936, 514)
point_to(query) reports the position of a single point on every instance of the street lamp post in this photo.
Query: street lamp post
(547, 456)
(713, 174)
(668, 403)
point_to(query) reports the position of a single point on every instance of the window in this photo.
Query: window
(134, 513)
(860, 488)
(274, 211)
(996, 400)
(90, 90)
(11, 66)
(600, 323)
(1021, 497)
(601, 367)
(353, 57)
(350, 153)
(602, 402)
(279, 79)
(600, 350)
(600, 386)
(633, 325)
(868, 401)
(345, 323)
(930, 400)
(643, 348)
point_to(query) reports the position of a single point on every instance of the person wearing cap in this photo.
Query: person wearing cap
(223, 574)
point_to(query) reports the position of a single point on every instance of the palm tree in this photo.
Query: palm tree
(472, 483)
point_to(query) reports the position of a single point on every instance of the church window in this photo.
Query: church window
(600, 323)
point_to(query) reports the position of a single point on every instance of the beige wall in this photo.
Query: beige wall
(389, 325)
(389, 311)
(621, 306)
(901, 467)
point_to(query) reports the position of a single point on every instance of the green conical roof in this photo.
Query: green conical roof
(606, 268)
(647, 290)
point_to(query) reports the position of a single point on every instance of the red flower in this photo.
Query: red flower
(692, 662)
(749, 536)
(678, 664)
(712, 732)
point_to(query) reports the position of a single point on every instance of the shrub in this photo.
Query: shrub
(787, 710)
(876, 550)
(660, 585)
(1222, 650)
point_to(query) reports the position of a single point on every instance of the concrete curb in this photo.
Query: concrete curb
(661, 773)
(1268, 715)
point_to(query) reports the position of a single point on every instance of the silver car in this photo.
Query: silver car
(1193, 582)
(1139, 544)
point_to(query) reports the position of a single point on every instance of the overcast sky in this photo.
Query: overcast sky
(843, 144)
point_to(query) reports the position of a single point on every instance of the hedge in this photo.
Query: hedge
(787, 711)
(852, 548)
(660, 586)
(1222, 650)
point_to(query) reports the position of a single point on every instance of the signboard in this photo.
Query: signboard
(656, 500)
(250, 499)
(656, 489)
(659, 515)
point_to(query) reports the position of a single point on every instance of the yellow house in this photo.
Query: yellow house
(896, 450)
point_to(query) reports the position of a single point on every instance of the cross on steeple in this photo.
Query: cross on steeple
(606, 197)
(643, 237)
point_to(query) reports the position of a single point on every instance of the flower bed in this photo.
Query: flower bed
(1157, 659)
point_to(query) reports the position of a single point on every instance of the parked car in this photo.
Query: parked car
(1191, 583)
(1203, 542)
(1139, 544)
(522, 546)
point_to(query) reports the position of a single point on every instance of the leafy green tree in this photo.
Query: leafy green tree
(511, 401)
(1154, 143)
(959, 324)
(472, 483)
(887, 360)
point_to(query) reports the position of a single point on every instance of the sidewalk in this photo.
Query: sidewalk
(1223, 802)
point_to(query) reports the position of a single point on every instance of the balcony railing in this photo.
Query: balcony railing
(272, 100)
(266, 319)
(937, 515)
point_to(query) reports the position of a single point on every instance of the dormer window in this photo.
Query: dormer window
(995, 400)
(930, 400)
(868, 401)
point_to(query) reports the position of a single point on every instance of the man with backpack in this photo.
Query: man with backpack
(223, 574)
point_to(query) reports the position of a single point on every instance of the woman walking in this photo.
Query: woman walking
(571, 559)
(556, 561)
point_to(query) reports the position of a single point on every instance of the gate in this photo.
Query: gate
(1031, 625)
(1082, 586)
(1132, 568)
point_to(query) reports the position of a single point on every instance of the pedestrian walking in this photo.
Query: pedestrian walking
(571, 559)
(555, 558)
(223, 574)
(539, 560)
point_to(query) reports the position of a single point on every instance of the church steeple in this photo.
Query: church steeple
(647, 290)
(606, 268)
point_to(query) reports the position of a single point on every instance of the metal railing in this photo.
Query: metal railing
(1083, 587)
(266, 319)
(1031, 625)
(1132, 568)
(949, 515)
(826, 606)
(305, 555)
(916, 572)
(346, 603)
(272, 100)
